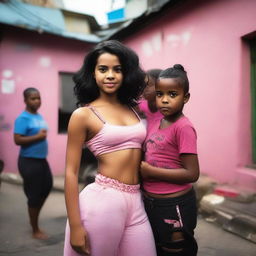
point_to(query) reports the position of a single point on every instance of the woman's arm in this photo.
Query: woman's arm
(188, 174)
(76, 138)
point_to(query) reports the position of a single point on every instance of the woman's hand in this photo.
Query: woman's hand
(79, 240)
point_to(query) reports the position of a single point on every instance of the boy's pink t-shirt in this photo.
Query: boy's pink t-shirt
(163, 148)
(150, 116)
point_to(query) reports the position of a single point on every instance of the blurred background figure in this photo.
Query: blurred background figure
(1, 169)
(147, 107)
(88, 167)
(30, 132)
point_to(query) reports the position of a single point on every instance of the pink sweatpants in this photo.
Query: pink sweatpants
(115, 221)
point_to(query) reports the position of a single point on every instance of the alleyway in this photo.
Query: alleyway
(15, 239)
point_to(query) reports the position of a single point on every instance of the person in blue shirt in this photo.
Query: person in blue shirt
(30, 132)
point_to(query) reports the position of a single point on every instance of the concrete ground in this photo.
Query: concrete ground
(15, 233)
(15, 236)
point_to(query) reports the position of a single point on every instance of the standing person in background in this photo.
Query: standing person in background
(170, 166)
(30, 132)
(108, 217)
(147, 105)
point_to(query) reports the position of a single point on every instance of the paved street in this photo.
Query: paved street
(15, 237)
(15, 234)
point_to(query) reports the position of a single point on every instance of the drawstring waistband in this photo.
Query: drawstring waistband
(106, 181)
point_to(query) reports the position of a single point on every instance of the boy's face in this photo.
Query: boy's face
(33, 101)
(170, 96)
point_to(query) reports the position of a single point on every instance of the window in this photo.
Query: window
(67, 104)
(67, 100)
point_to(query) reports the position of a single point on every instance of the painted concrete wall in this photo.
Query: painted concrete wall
(205, 36)
(29, 59)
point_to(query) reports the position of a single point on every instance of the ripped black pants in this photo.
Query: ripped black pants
(173, 221)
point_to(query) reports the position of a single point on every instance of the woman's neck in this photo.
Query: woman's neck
(107, 100)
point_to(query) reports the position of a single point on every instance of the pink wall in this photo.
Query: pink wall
(205, 36)
(35, 60)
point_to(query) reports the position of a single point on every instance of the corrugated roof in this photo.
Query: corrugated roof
(49, 20)
(154, 10)
(38, 18)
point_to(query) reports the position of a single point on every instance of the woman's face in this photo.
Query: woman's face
(108, 73)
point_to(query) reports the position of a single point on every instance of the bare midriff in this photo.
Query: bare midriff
(122, 165)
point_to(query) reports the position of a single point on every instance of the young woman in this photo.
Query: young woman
(170, 166)
(107, 217)
(30, 132)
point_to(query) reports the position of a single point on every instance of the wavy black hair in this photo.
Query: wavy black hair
(154, 72)
(86, 89)
(178, 72)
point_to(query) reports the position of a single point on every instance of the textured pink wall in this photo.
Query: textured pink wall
(206, 38)
(35, 61)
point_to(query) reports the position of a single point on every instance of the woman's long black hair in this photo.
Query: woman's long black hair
(86, 89)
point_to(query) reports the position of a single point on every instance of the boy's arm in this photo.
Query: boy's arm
(140, 108)
(25, 140)
(20, 131)
(188, 174)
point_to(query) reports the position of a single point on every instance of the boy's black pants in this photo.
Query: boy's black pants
(169, 215)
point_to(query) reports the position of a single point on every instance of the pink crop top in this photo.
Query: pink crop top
(116, 137)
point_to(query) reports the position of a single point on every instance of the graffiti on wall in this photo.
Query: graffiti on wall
(154, 44)
(4, 126)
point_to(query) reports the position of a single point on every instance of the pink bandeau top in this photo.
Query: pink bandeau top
(112, 138)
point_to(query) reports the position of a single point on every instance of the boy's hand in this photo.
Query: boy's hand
(145, 170)
(42, 134)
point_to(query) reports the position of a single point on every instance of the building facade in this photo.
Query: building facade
(215, 41)
(44, 61)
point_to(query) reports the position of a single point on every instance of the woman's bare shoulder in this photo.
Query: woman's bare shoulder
(80, 115)
(81, 112)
